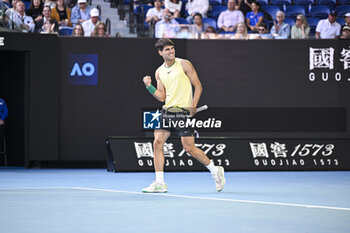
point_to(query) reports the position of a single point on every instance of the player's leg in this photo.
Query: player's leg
(189, 147)
(160, 137)
(158, 186)
(217, 172)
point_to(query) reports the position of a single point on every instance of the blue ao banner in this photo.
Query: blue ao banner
(83, 69)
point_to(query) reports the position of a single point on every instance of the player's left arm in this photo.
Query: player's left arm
(192, 75)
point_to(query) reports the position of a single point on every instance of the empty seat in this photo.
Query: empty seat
(214, 2)
(289, 21)
(293, 11)
(330, 3)
(307, 4)
(341, 20)
(312, 23)
(65, 31)
(281, 3)
(319, 11)
(181, 20)
(344, 2)
(264, 2)
(210, 22)
(271, 10)
(216, 10)
(342, 10)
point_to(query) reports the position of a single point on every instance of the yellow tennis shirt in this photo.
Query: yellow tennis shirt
(178, 87)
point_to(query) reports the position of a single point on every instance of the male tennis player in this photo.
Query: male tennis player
(175, 78)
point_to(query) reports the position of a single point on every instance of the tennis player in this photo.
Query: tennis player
(175, 78)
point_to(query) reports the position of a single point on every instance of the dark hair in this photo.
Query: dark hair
(41, 5)
(210, 29)
(161, 43)
(47, 6)
(256, 3)
(198, 14)
(263, 25)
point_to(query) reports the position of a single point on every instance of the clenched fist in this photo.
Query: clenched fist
(147, 81)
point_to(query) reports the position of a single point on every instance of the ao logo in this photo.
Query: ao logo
(82, 69)
(87, 69)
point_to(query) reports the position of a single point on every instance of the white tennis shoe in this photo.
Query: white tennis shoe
(156, 188)
(219, 178)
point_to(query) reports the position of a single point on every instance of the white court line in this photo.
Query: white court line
(218, 199)
(36, 188)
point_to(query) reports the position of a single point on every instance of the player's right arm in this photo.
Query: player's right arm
(159, 92)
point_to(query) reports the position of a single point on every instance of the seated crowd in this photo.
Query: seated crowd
(50, 17)
(240, 20)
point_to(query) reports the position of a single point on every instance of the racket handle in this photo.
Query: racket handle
(202, 108)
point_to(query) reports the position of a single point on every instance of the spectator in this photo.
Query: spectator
(244, 6)
(229, 19)
(242, 32)
(280, 29)
(174, 7)
(345, 33)
(347, 20)
(48, 27)
(89, 25)
(155, 14)
(199, 26)
(80, 12)
(78, 30)
(61, 14)
(19, 20)
(11, 10)
(254, 18)
(35, 10)
(209, 33)
(301, 29)
(263, 32)
(328, 28)
(3, 116)
(100, 30)
(167, 27)
(46, 17)
(196, 6)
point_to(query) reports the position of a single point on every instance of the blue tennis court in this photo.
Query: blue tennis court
(93, 200)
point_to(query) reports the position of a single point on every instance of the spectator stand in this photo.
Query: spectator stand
(65, 31)
(341, 20)
(293, 11)
(307, 4)
(282, 4)
(344, 2)
(342, 10)
(211, 22)
(330, 3)
(263, 2)
(108, 25)
(319, 11)
(215, 11)
(290, 21)
(142, 28)
(312, 24)
(314, 10)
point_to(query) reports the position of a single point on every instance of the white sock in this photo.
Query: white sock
(212, 168)
(160, 177)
